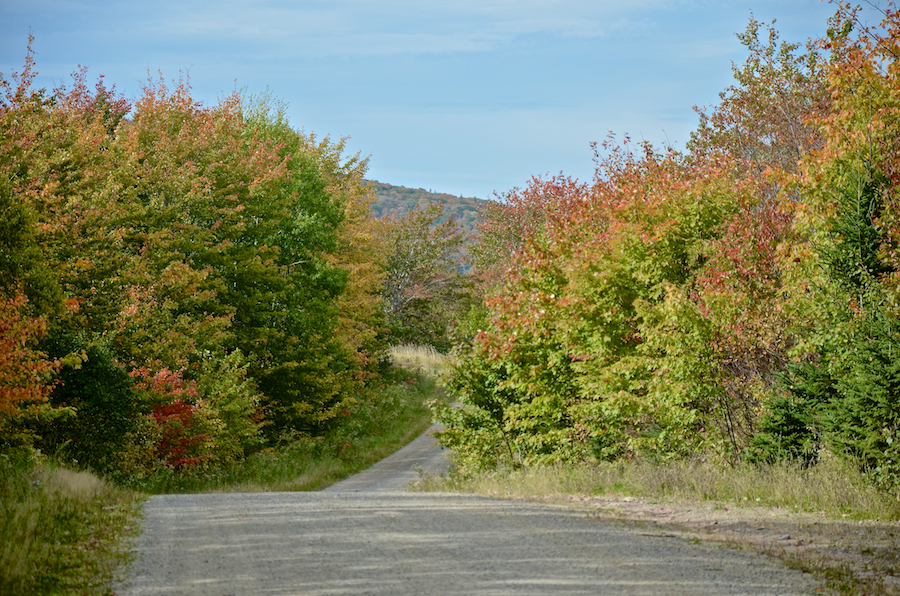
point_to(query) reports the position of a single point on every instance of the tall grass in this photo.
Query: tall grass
(830, 486)
(60, 530)
(419, 358)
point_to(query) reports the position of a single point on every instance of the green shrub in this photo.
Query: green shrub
(786, 432)
(107, 409)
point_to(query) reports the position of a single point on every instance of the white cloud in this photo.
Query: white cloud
(363, 27)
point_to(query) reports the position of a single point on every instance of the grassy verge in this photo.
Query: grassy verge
(61, 530)
(423, 359)
(829, 487)
(826, 520)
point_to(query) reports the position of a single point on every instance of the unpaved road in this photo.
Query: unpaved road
(365, 536)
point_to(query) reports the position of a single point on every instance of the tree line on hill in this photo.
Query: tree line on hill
(392, 200)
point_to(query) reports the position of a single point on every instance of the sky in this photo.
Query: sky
(466, 97)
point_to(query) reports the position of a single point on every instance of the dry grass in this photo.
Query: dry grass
(422, 358)
(829, 487)
(70, 484)
(826, 520)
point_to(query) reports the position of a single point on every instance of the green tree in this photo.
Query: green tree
(424, 288)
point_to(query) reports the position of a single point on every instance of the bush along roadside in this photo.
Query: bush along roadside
(385, 416)
(737, 302)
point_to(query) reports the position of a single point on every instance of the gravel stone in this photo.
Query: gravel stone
(365, 536)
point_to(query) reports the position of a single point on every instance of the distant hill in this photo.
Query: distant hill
(400, 199)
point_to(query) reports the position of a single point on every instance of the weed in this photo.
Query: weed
(420, 358)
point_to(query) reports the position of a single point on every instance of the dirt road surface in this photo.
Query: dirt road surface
(366, 536)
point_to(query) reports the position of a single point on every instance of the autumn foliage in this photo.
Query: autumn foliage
(25, 373)
(181, 283)
(738, 301)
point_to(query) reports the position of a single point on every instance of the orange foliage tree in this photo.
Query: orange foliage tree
(648, 313)
(25, 372)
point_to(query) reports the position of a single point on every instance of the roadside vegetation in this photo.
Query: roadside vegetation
(830, 487)
(392, 414)
(191, 299)
(736, 304)
(719, 325)
(64, 531)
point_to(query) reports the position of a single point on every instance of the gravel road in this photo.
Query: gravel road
(366, 536)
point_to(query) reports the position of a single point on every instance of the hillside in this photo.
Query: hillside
(400, 199)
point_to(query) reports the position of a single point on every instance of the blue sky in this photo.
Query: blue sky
(465, 97)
